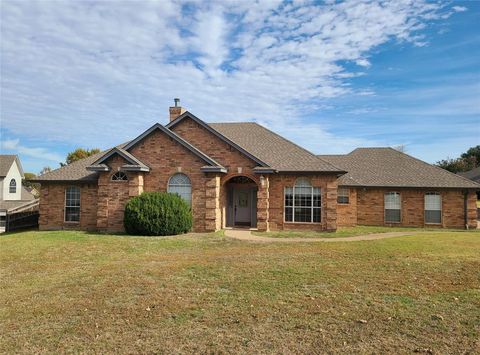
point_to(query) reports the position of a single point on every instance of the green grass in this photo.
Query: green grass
(349, 232)
(78, 292)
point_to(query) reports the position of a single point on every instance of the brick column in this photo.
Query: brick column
(102, 204)
(331, 205)
(135, 185)
(263, 205)
(213, 215)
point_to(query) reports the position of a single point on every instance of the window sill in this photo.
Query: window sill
(343, 203)
(306, 223)
(433, 224)
(71, 222)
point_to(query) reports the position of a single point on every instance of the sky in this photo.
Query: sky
(330, 76)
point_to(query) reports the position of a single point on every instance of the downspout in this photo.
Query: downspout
(465, 207)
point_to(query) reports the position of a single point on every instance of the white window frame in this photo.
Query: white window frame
(71, 206)
(306, 184)
(385, 207)
(118, 173)
(14, 186)
(181, 194)
(432, 193)
(345, 193)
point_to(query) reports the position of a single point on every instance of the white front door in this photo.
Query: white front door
(242, 207)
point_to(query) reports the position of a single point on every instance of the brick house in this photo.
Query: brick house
(242, 174)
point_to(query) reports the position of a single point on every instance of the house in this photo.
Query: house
(242, 174)
(13, 195)
(473, 174)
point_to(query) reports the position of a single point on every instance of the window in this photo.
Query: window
(392, 207)
(119, 176)
(72, 204)
(180, 184)
(433, 207)
(303, 202)
(13, 186)
(343, 196)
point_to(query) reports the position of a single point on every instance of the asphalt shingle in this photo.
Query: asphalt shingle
(387, 167)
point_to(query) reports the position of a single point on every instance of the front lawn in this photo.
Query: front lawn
(78, 292)
(349, 232)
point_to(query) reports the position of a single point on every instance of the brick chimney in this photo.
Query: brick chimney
(176, 110)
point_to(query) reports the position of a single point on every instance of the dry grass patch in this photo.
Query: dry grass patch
(78, 292)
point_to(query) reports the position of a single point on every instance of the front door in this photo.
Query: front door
(242, 207)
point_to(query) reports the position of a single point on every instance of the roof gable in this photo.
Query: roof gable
(215, 132)
(6, 162)
(134, 163)
(178, 139)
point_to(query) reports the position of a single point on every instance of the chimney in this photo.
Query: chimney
(176, 110)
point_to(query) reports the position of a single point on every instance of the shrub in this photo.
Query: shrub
(157, 213)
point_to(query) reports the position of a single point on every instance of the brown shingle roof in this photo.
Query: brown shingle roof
(387, 167)
(473, 174)
(6, 162)
(278, 152)
(76, 171)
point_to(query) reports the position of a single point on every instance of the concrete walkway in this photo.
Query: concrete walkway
(246, 235)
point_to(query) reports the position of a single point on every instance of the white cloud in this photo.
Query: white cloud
(459, 8)
(40, 153)
(92, 73)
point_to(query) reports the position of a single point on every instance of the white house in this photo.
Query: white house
(13, 196)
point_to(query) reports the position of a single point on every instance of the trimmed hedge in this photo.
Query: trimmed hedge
(157, 213)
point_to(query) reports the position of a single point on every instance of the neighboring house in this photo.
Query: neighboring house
(13, 195)
(473, 174)
(242, 174)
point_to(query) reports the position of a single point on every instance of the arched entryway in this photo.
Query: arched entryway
(241, 202)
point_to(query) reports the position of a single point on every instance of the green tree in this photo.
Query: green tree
(80, 153)
(467, 161)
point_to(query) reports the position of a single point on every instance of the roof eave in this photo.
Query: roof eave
(213, 169)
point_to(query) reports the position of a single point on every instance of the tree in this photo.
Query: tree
(80, 153)
(467, 161)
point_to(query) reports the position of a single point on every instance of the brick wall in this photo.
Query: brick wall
(328, 186)
(165, 157)
(370, 207)
(347, 213)
(52, 203)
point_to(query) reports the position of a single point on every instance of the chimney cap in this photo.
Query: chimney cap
(177, 101)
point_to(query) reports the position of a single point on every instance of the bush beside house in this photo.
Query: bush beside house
(157, 213)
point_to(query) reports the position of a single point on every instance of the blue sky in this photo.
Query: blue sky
(330, 76)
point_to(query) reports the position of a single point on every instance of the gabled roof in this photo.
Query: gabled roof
(473, 174)
(210, 161)
(215, 133)
(6, 162)
(277, 152)
(134, 163)
(387, 167)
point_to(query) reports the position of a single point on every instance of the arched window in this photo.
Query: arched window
(119, 176)
(13, 186)
(180, 184)
(303, 202)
